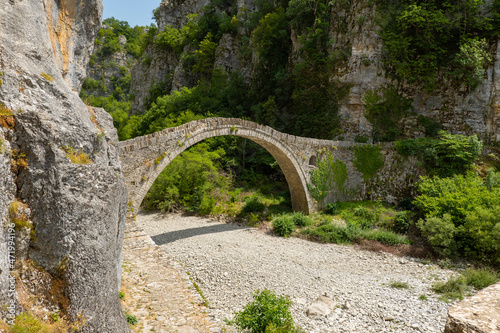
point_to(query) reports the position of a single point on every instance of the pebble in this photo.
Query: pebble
(230, 262)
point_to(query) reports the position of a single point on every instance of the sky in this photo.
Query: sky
(135, 12)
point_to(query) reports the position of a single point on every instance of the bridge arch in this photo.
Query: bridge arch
(144, 158)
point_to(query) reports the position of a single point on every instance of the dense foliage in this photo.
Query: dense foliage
(110, 87)
(431, 42)
(329, 175)
(461, 216)
(446, 155)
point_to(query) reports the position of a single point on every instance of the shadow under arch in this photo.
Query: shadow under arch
(144, 158)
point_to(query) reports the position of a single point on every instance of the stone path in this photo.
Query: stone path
(157, 291)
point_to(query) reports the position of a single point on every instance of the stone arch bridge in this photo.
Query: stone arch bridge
(143, 158)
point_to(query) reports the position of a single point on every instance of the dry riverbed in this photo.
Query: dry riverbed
(229, 262)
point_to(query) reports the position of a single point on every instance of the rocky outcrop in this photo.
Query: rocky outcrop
(110, 69)
(476, 314)
(72, 29)
(175, 12)
(78, 210)
(156, 67)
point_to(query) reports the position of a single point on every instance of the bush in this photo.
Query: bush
(402, 222)
(332, 208)
(453, 154)
(461, 216)
(253, 205)
(267, 313)
(369, 160)
(367, 217)
(283, 225)
(300, 219)
(445, 156)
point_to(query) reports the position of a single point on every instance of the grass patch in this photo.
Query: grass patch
(348, 222)
(76, 156)
(333, 233)
(399, 284)
(456, 287)
(198, 289)
(385, 237)
(27, 323)
(131, 320)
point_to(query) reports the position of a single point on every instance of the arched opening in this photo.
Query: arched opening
(226, 175)
(313, 160)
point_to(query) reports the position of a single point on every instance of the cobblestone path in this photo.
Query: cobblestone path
(157, 290)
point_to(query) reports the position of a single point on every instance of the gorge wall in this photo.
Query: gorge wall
(70, 217)
(354, 36)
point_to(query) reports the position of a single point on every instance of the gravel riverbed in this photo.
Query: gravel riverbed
(229, 262)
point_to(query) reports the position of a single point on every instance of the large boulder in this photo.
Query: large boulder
(476, 314)
(78, 210)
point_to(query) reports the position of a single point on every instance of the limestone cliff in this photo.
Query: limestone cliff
(353, 34)
(76, 211)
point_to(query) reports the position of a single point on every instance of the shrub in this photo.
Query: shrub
(461, 216)
(329, 175)
(445, 156)
(267, 313)
(367, 218)
(332, 208)
(402, 222)
(480, 278)
(253, 205)
(300, 219)
(368, 160)
(453, 154)
(452, 288)
(440, 233)
(399, 284)
(17, 214)
(386, 109)
(283, 225)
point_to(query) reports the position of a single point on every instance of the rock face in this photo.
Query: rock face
(353, 33)
(477, 314)
(72, 29)
(7, 192)
(78, 211)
